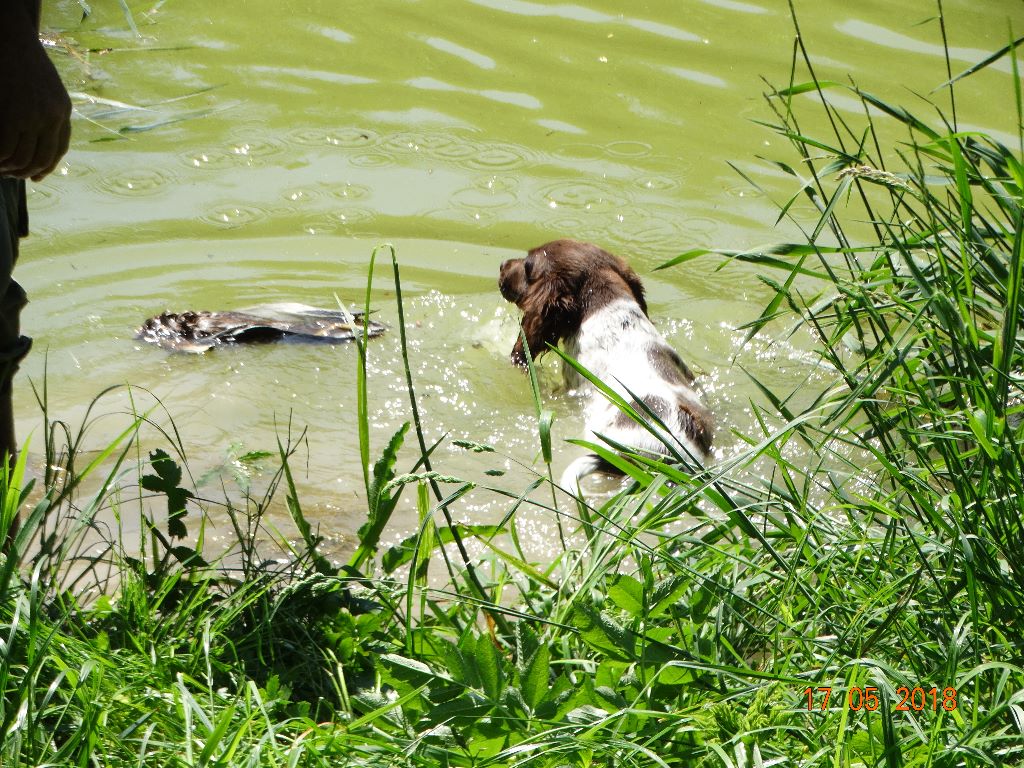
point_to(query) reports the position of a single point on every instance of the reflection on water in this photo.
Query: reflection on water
(260, 157)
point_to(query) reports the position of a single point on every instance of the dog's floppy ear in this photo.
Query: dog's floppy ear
(635, 286)
(550, 312)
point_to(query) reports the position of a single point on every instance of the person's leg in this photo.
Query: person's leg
(13, 346)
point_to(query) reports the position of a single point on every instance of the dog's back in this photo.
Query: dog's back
(594, 303)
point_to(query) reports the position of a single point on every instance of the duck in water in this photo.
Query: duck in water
(200, 331)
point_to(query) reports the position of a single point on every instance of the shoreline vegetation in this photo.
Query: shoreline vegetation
(862, 604)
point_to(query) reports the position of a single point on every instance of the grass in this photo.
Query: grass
(703, 617)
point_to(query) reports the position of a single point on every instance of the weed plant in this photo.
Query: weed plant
(705, 615)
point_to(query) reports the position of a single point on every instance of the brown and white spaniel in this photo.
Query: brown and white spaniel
(592, 301)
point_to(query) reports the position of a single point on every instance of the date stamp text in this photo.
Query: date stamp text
(917, 699)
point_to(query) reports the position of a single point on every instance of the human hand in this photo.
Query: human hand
(35, 109)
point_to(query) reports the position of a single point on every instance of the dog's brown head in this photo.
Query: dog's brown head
(558, 285)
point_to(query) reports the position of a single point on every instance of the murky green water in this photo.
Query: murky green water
(281, 141)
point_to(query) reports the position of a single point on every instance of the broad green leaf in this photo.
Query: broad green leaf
(487, 665)
(534, 681)
(627, 593)
(167, 481)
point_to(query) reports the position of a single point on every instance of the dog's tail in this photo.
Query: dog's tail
(580, 468)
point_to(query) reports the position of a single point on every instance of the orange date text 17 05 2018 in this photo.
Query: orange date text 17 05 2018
(916, 699)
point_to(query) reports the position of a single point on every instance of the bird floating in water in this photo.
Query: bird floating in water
(200, 331)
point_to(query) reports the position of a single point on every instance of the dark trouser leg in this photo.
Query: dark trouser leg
(13, 346)
(11, 355)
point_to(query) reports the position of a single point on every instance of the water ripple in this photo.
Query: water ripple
(579, 151)
(229, 216)
(352, 215)
(657, 183)
(213, 160)
(257, 147)
(462, 215)
(744, 190)
(499, 157)
(459, 150)
(437, 143)
(349, 191)
(629, 148)
(591, 195)
(137, 181)
(474, 198)
(301, 195)
(345, 137)
(250, 151)
(701, 225)
(501, 183)
(320, 226)
(41, 198)
(568, 225)
(650, 228)
(353, 137)
(372, 159)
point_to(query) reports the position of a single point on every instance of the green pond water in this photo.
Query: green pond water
(230, 154)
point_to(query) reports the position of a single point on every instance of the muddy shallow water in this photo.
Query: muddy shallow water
(225, 158)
